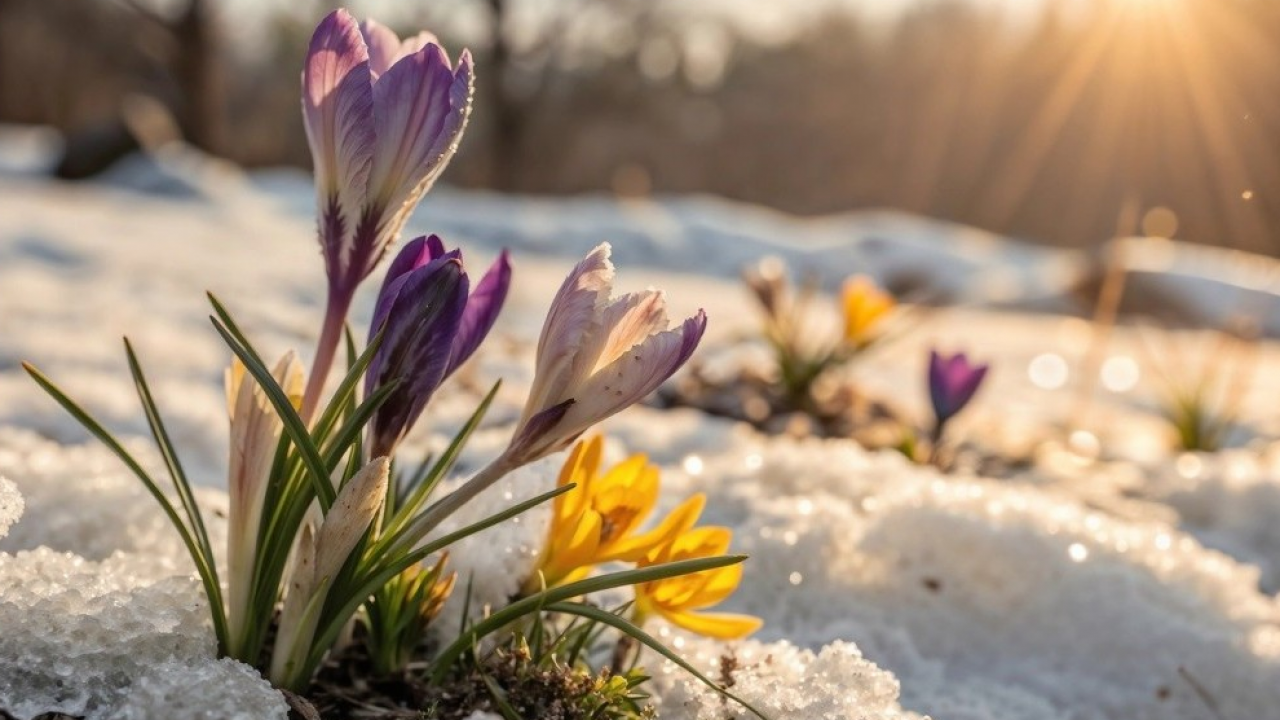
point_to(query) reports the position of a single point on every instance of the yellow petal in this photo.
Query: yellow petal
(578, 468)
(726, 626)
(651, 547)
(865, 305)
(573, 550)
(701, 542)
(716, 585)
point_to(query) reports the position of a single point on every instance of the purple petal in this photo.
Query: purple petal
(384, 46)
(968, 385)
(420, 326)
(538, 437)
(337, 104)
(482, 312)
(416, 253)
(952, 384)
(420, 106)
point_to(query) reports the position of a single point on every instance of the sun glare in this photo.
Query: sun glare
(1149, 6)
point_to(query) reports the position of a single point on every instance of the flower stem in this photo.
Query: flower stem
(439, 512)
(335, 317)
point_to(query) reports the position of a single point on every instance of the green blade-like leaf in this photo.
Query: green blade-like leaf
(348, 435)
(380, 569)
(634, 631)
(180, 482)
(203, 566)
(414, 502)
(532, 603)
(344, 397)
(293, 425)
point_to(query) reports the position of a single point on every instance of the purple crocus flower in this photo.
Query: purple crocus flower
(430, 328)
(953, 381)
(383, 118)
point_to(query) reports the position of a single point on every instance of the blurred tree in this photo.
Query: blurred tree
(1041, 130)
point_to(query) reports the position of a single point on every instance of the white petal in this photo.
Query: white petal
(354, 509)
(573, 319)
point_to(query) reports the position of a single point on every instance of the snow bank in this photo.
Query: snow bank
(984, 599)
(1230, 501)
(123, 636)
(779, 679)
(990, 601)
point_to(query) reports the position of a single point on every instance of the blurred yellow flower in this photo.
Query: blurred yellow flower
(865, 306)
(676, 599)
(596, 521)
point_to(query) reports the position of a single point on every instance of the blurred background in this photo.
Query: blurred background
(1039, 119)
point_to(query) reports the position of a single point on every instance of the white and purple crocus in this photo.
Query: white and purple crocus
(597, 356)
(383, 118)
(953, 381)
(431, 325)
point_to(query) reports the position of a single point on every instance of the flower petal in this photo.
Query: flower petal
(654, 543)
(416, 253)
(338, 114)
(384, 46)
(482, 312)
(573, 316)
(420, 107)
(633, 375)
(420, 325)
(352, 512)
(725, 626)
(625, 322)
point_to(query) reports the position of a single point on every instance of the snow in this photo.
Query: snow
(1131, 583)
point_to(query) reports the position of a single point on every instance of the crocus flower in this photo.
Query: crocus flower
(596, 522)
(598, 356)
(383, 118)
(255, 433)
(318, 557)
(679, 599)
(865, 307)
(952, 384)
(431, 327)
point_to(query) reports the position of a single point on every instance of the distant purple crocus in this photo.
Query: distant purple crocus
(430, 327)
(383, 118)
(953, 381)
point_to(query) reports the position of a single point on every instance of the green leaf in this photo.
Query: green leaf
(204, 566)
(293, 425)
(422, 491)
(180, 482)
(533, 603)
(383, 568)
(634, 631)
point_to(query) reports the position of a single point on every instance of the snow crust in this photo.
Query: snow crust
(10, 505)
(780, 680)
(110, 639)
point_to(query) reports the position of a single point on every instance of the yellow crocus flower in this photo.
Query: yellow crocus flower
(596, 522)
(865, 306)
(677, 599)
